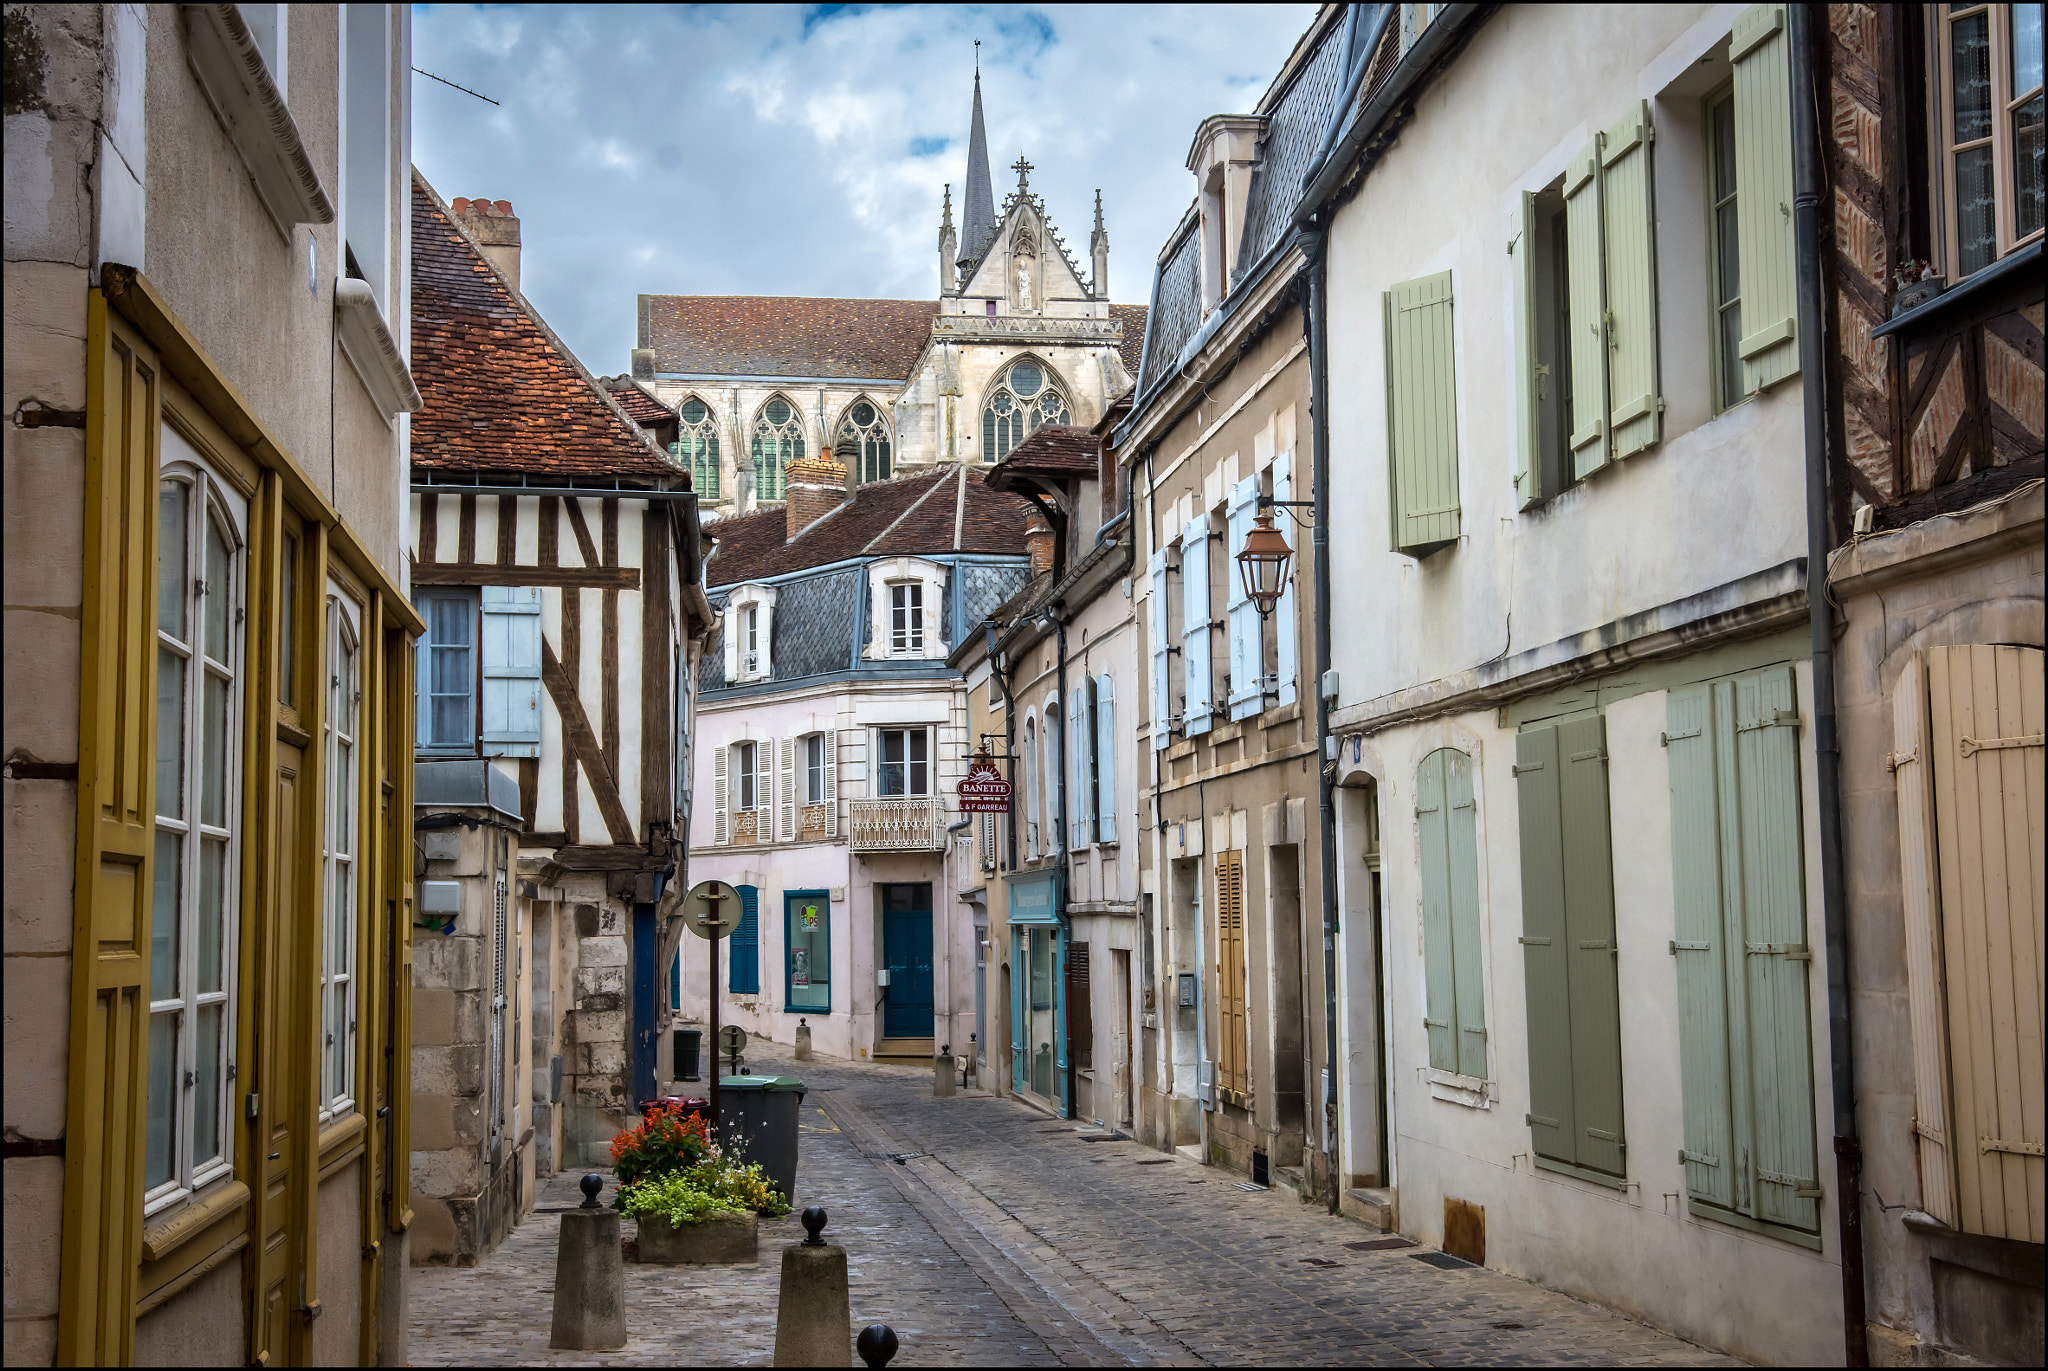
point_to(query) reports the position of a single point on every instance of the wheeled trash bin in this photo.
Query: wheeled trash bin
(760, 1113)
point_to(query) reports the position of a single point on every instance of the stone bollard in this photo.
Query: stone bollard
(813, 1316)
(944, 1083)
(803, 1041)
(590, 1278)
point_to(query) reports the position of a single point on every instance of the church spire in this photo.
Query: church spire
(977, 195)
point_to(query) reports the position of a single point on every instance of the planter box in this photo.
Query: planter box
(716, 1240)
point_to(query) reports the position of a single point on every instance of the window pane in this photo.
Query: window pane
(1731, 354)
(163, 1099)
(1977, 242)
(1970, 68)
(452, 675)
(778, 412)
(206, 1086)
(2026, 48)
(166, 894)
(213, 773)
(220, 592)
(693, 411)
(919, 741)
(451, 622)
(341, 956)
(1026, 378)
(170, 733)
(1724, 149)
(212, 912)
(2027, 172)
(451, 721)
(172, 501)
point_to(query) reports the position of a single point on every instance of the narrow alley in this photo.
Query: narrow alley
(988, 1234)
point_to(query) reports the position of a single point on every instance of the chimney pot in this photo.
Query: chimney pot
(496, 230)
(1038, 542)
(814, 487)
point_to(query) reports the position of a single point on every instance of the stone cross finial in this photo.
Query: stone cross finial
(1023, 170)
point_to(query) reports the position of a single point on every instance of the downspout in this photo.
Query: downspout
(1808, 192)
(1313, 245)
(1064, 838)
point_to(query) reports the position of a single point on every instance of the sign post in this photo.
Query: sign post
(711, 910)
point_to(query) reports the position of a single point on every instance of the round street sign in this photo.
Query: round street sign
(732, 1040)
(711, 909)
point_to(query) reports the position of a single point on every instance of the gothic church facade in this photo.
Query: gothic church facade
(1016, 337)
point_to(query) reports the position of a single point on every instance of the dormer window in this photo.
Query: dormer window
(750, 635)
(907, 597)
(1225, 147)
(906, 619)
(750, 619)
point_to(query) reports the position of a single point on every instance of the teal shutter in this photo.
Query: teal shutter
(1247, 640)
(1635, 400)
(1462, 851)
(1422, 415)
(1761, 55)
(1590, 947)
(511, 671)
(1587, 291)
(1700, 947)
(1431, 817)
(1287, 627)
(1775, 952)
(1552, 1125)
(743, 960)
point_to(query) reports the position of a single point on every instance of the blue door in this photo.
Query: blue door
(907, 952)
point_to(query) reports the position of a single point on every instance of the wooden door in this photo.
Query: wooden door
(1233, 1040)
(274, 1079)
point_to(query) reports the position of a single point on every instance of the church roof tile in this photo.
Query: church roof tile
(501, 392)
(1061, 451)
(785, 335)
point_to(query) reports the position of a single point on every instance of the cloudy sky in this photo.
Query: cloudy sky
(801, 151)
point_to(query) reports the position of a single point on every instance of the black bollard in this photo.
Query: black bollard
(877, 1343)
(814, 1224)
(591, 1184)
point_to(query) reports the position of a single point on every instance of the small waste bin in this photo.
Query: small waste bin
(684, 1049)
(760, 1113)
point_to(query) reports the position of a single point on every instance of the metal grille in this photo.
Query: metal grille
(899, 825)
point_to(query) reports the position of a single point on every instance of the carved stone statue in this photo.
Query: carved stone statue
(1024, 283)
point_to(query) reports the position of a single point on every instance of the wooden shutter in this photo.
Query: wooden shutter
(1162, 657)
(510, 635)
(1761, 54)
(1196, 671)
(1462, 853)
(1985, 743)
(1105, 758)
(1586, 288)
(1422, 420)
(1552, 1122)
(1590, 947)
(744, 962)
(721, 823)
(1920, 874)
(1081, 799)
(1080, 1009)
(1247, 650)
(1701, 947)
(1530, 380)
(764, 788)
(104, 1125)
(1234, 1039)
(785, 807)
(1288, 626)
(1627, 199)
(1440, 1008)
(831, 782)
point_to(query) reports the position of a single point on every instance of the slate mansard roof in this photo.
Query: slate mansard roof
(785, 335)
(501, 393)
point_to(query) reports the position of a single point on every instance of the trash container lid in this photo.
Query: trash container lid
(761, 1083)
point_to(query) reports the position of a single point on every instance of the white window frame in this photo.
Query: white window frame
(2005, 103)
(341, 836)
(1051, 737)
(746, 757)
(750, 635)
(916, 738)
(814, 769)
(922, 641)
(209, 501)
(906, 618)
(1030, 806)
(750, 639)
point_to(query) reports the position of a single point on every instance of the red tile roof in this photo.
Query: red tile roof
(910, 515)
(642, 408)
(501, 392)
(778, 335)
(1061, 451)
(1132, 347)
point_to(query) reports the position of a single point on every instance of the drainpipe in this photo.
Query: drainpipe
(1808, 192)
(1326, 793)
(1059, 623)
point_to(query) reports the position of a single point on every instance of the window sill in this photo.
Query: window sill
(1715, 1214)
(1452, 1088)
(339, 1140)
(167, 1234)
(1600, 1178)
(237, 83)
(2020, 265)
(1281, 714)
(367, 343)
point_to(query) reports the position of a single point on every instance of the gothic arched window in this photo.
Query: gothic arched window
(1027, 396)
(863, 441)
(696, 447)
(778, 441)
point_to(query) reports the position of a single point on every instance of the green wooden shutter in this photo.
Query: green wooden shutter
(1587, 292)
(1462, 853)
(1440, 1013)
(1552, 1124)
(1422, 420)
(1700, 946)
(1635, 402)
(1776, 953)
(1760, 52)
(1590, 948)
(1529, 377)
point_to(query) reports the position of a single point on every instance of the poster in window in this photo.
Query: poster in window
(800, 966)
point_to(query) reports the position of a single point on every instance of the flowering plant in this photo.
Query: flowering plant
(668, 1165)
(669, 1139)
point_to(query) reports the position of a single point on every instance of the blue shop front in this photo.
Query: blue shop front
(1038, 1010)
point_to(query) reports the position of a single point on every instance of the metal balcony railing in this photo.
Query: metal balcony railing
(899, 825)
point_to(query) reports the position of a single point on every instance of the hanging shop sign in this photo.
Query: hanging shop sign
(983, 790)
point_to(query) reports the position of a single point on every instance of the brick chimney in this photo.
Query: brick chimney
(1038, 540)
(493, 224)
(813, 488)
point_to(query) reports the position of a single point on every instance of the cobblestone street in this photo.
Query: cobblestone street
(988, 1234)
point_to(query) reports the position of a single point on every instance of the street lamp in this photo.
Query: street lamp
(1263, 563)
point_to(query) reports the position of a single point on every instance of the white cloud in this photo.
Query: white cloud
(796, 151)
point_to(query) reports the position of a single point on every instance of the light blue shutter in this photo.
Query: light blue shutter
(1247, 655)
(1080, 804)
(744, 963)
(1105, 758)
(1440, 1009)
(1288, 629)
(511, 671)
(1162, 657)
(1700, 947)
(1194, 633)
(1461, 852)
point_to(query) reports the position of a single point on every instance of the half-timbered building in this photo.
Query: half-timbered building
(554, 562)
